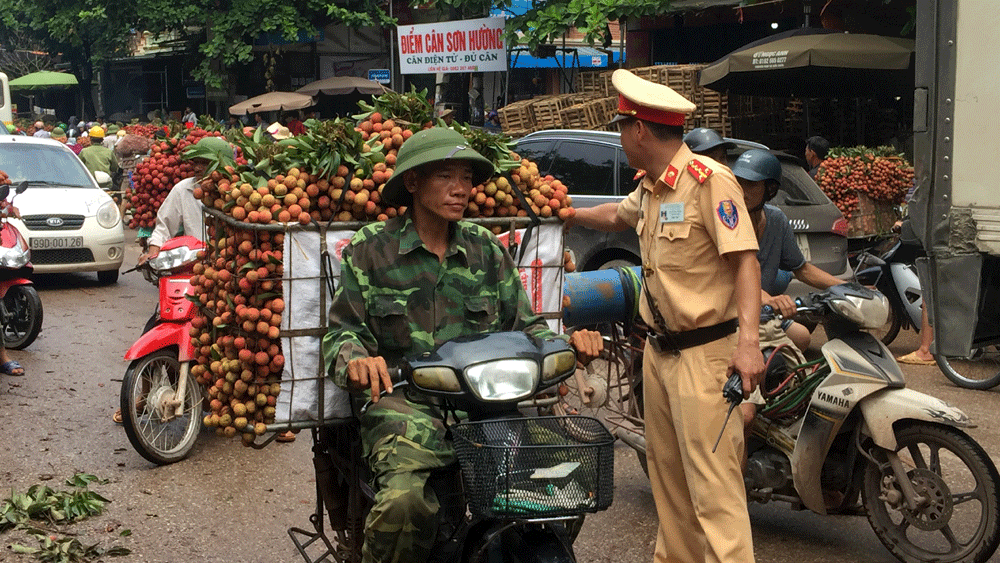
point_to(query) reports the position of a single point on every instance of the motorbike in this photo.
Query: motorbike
(20, 306)
(846, 424)
(161, 401)
(834, 429)
(893, 273)
(522, 484)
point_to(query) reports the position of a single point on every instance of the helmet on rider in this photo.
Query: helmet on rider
(708, 142)
(96, 132)
(437, 144)
(757, 166)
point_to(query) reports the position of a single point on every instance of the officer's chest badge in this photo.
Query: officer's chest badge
(728, 214)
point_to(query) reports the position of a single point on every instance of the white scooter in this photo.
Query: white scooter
(846, 423)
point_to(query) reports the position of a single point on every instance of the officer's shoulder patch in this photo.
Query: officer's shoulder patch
(699, 170)
(671, 176)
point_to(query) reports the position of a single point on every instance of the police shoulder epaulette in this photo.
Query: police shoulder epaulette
(699, 170)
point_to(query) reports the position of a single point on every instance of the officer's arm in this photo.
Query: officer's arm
(603, 217)
(747, 359)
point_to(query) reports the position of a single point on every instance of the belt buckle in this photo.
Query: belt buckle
(666, 344)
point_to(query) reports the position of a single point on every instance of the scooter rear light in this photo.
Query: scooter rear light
(840, 227)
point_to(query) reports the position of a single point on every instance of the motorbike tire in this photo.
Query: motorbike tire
(146, 379)
(888, 332)
(980, 370)
(960, 483)
(25, 309)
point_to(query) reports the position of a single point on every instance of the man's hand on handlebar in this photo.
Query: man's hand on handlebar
(588, 345)
(782, 304)
(143, 258)
(365, 373)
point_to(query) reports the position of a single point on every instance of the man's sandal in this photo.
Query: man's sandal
(7, 368)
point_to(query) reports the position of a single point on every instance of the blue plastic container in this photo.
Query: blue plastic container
(601, 296)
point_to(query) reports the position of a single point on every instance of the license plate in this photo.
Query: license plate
(803, 241)
(55, 243)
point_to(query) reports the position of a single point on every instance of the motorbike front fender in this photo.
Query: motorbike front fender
(163, 336)
(881, 410)
(7, 284)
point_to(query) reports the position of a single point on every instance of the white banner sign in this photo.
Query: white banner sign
(459, 46)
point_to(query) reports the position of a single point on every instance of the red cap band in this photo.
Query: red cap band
(628, 107)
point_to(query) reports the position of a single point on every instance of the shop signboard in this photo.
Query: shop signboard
(458, 46)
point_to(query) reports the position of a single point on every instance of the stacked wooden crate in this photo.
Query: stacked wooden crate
(546, 110)
(517, 119)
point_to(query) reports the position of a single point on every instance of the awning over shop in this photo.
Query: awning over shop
(570, 57)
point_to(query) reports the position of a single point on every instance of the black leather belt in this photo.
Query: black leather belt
(674, 342)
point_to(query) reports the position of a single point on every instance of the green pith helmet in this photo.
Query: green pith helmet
(210, 148)
(433, 145)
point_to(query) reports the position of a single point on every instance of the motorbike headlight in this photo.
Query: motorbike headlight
(107, 215)
(558, 365)
(503, 380)
(436, 378)
(167, 260)
(868, 313)
(14, 257)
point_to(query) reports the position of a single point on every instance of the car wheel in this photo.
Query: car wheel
(108, 276)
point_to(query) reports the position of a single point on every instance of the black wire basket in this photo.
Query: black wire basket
(536, 467)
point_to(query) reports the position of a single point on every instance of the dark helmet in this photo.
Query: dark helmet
(756, 165)
(703, 139)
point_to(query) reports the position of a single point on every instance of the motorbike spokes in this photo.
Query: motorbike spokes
(149, 401)
(955, 515)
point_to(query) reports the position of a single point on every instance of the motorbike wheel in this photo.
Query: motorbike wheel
(960, 518)
(148, 381)
(888, 332)
(24, 308)
(979, 370)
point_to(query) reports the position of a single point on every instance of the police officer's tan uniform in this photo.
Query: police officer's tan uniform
(686, 220)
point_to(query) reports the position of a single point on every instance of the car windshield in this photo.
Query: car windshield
(43, 166)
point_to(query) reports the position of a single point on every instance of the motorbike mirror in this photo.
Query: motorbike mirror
(4, 191)
(21, 186)
(102, 177)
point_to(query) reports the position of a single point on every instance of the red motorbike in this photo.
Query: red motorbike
(20, 306)
(161, 401)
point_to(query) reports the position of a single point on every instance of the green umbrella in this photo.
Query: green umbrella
(43, 80)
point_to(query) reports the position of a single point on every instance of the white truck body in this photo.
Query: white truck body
(955, 208)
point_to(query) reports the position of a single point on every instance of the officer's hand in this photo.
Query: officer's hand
(749, 362)
(588, 345)
(364, 373)
(782, 304)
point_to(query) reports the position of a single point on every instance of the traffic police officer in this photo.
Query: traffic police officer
(701, 281)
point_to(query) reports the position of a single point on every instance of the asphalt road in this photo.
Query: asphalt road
(231, 503)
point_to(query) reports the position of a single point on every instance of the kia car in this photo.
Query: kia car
(70, 223)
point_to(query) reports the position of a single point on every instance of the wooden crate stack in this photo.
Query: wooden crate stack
(517, 119)
(546, 110)
(574, 117)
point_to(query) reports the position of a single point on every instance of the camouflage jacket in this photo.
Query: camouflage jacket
(395, 298)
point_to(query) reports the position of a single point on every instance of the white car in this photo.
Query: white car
(70, 223)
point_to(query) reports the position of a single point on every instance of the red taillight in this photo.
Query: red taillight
(840, 227)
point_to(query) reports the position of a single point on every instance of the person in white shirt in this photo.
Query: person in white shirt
(189, 116)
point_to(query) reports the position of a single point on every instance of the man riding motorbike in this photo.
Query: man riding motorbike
(407, 285)
(759, 174)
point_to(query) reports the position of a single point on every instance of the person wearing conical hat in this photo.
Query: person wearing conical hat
(407, 285)
(701, 282)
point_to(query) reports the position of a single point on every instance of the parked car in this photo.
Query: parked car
(596, 170)
(71, 224)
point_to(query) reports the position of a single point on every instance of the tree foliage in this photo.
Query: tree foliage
(231, 26)
(84, 33)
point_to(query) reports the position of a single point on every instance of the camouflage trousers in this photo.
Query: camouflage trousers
(403, 442)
